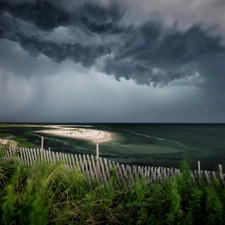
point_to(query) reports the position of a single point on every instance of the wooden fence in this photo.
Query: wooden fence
(97, 169)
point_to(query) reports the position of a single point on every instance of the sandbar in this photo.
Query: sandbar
(81, 133)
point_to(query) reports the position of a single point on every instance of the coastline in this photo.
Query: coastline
(80, 133)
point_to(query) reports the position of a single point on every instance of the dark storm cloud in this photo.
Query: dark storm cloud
(13, 29)
(158, 51)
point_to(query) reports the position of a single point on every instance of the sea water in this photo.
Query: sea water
(164, 145)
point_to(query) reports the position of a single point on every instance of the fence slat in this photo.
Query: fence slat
(106, 168)
(102, 171)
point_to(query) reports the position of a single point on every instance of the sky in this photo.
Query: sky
(94, 61)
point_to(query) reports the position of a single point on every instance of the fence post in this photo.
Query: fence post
(42, 147)
(97, 160)
(199, 166)
(221, 175)
(220, 169)
(42, 143)
(199, 172)
(97, 151)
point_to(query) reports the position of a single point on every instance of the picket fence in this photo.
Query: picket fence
(98, 169)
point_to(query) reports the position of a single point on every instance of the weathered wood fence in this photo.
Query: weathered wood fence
(97, 169)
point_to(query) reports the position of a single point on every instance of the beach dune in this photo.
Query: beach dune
(9, 142)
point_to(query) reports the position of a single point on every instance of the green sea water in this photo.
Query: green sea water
(141, 144)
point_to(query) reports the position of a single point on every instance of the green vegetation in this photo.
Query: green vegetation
(4, 135)
(77, 130)
(23, 143)
(53, 194)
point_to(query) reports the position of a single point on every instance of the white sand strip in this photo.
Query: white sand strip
(82, 133)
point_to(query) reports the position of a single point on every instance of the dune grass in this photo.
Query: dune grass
(4, 135)
(21, 142)
(53, 194)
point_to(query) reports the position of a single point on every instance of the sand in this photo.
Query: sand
(81, 133)
(11, 143)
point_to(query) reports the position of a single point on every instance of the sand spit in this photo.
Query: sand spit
(82, 133)
(11, 143)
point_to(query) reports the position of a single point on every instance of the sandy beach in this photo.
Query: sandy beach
(81, 133)
(11, 143)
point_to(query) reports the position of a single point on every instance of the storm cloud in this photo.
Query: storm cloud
(159, 45)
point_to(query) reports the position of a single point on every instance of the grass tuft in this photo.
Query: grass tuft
(44, 194)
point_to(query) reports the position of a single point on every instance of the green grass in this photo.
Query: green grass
(23, 143)
(52, 194)
(4, 135)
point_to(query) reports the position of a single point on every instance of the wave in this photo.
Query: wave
(158, 138)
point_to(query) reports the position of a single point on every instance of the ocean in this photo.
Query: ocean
(164, 145)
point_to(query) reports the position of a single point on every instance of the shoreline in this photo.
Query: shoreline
(79, 133)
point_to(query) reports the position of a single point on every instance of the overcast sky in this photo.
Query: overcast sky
(112, 61)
